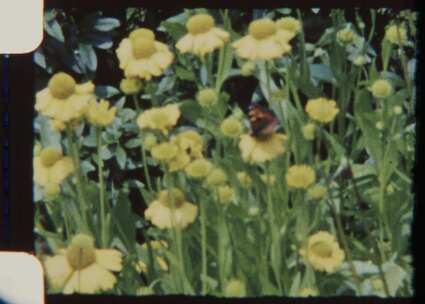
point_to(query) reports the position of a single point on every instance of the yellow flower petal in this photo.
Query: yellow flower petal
(110, 259)
(257, 151)
(58, 270)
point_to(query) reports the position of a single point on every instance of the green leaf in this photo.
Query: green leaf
(49, 137)
(87, 56)
(106, 24)
(185, 74)
(386, 48)
(134, 143)
(124, 220)
(191, 110)
(121, 157)
(53, 28)
(336, 146)
(322, 72)
(295, 287)
(105, 91)
(394, 275)
(105, 153)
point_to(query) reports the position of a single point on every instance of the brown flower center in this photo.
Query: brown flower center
(81, 252)
(167, 198)
(261, 29)
(143, 47)
(200, 23)
(322, 249)
(49, 156)
(61, 85)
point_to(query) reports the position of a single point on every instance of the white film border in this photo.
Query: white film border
(21, 26)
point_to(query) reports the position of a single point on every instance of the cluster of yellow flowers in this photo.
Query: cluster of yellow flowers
(65, 102)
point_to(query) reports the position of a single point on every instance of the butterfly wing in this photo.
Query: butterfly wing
(263, 121)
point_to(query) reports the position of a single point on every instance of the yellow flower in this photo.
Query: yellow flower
(309, 131)
(150, 141)
(290, 24)
(161, 118)
(317, 192)
(248, 68)
(397, 110)
(198, 168)
(360, 60)
(300, 176)
(202, 37)
(235, 288)
(345, 35)
(322, 252)
(381, 88)
(163, 215)
(82, 268)
(64, 100)
(216, 177)
(164, 151)
(321, 109)
(157, 246)
(308, 292)
(261, 42)
(179, 162)
(396, 34)
(268, 179)
(207, 97)
(256, 150)
(51, 167)
(99, 114)
(380, 125)
(190, 142)
(244, 179)
(140, 55)
(225, 194)
(231, 127)
(131, 86)
(51, 190)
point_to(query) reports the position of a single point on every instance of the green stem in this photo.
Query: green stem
(203, 248)
(76, 160)
(146, 170)
(103, 224)
(407, 79)
(275, 248)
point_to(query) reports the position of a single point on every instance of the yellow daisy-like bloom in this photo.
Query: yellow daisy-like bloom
(309, 131)
(300, 176)
(308, 292)
(225, 194)
(321, 109)
(396, 34)
(248, 68)
(268, 179)
(231, 127)
(100, 114)
(207, 97)
(381, 88)
(289, 24)
(190, 142)
(131, 86)
(216, 177)
(165, 151)
(255, 150)
(317, 192)
(199, 168)
(235, 288)
(322, 252)
(156, 247)
(163, 215)
(161, 118)
(261, 42)
(345, 35)
(51, 167)
(202, 37)
(64, 100)
(140, 55)
(244, 179)
(81, 268)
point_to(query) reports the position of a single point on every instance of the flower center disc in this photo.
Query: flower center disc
(50, 156)
(261, 29)
(61, 85)
(143, 47)
(199, 24)
(166, 197)
(322, 249)
(81, 253)
(142, 32)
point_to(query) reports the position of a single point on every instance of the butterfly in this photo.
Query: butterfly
(263, 121)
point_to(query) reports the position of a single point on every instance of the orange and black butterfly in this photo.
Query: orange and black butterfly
(263, 121)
